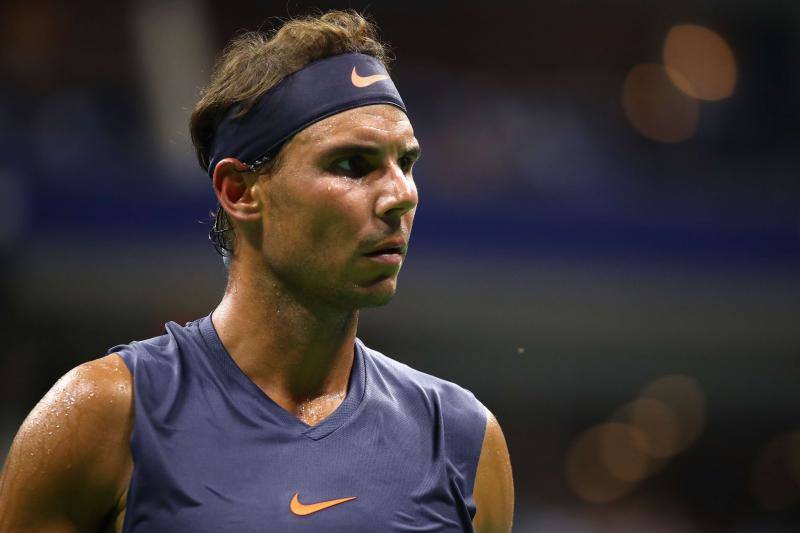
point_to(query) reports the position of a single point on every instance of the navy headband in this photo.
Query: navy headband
(319, 90)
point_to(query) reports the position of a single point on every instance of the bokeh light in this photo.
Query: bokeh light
(699, 62)
(657, 423)
(655, 107)
(622, 451)
(593, 452)
(607, 460)
(684, 396)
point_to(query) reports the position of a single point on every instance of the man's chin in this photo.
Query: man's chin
(378, 293)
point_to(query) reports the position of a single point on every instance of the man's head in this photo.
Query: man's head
(314, 215)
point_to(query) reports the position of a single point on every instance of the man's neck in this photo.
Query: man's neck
(296, 353)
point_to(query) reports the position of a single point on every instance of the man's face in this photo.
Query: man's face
(342, 194)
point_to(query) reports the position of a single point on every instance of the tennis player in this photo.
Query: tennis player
(269, 414)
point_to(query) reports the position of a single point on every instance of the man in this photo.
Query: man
(269, 414)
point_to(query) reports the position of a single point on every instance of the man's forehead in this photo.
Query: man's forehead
(375, 124)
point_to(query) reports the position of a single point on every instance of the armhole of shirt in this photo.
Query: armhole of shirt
(468, 421)
(480, 432)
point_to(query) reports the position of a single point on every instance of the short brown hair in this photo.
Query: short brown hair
(255, 62)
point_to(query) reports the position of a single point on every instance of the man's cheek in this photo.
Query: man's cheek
(332, 228)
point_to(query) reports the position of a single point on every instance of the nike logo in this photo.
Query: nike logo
(302, 509)
(366, 81)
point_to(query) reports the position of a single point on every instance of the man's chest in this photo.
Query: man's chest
(370, 483)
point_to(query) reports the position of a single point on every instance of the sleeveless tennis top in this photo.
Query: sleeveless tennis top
(213, 454)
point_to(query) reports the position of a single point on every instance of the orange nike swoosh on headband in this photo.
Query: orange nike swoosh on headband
(301, 509)
(366, 81)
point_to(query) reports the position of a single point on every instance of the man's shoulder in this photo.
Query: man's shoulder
(158, 349)
(91, 404)
(70, 458)
(402, 375)
(98, 391)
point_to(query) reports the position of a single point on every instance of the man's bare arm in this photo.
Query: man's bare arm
(69, 463)
(494, 485)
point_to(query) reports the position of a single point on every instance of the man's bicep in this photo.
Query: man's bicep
(494, 485)
(61, 472)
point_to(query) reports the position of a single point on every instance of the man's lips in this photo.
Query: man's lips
(390, 252)
(392, 246)
(384, 251)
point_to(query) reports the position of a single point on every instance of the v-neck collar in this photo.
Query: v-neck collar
(233, 375)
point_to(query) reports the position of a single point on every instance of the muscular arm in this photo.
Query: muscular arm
(494, 486)
(69, 463)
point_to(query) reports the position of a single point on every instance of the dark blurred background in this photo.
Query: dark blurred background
(607, 249)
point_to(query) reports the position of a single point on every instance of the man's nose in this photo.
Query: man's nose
(399, 195)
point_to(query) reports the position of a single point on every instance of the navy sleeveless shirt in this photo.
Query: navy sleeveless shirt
(212, 453)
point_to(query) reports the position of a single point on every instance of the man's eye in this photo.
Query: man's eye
(355, 166)
(406, 163)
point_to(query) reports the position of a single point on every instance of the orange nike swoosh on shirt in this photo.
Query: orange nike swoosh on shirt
(301, 509)
(366, 81)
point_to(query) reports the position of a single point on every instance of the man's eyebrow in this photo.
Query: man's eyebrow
(412, 150)
(367, 149)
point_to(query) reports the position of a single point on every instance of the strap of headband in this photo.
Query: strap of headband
(319, 90)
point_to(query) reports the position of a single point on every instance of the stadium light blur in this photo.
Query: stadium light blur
(597, 464)
(655, 107)
(700, 62)
(684, 396)
(606, 461)
(622, 451)
(656, 422)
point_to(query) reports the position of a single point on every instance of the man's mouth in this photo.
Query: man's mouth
(390, 252)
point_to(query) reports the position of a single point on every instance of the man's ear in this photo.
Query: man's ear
(233, 186)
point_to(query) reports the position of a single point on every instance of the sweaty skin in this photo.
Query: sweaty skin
(70, 464)
(342, 188)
